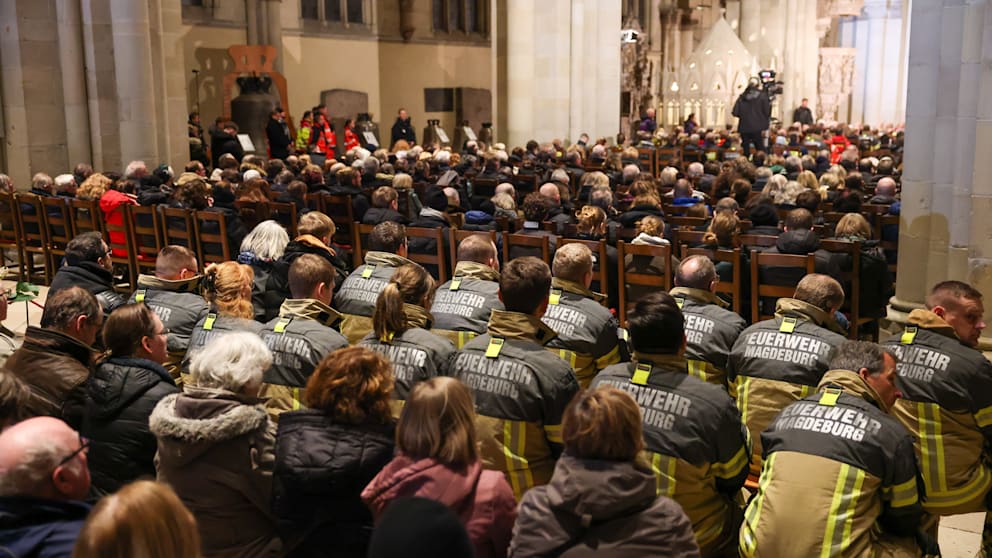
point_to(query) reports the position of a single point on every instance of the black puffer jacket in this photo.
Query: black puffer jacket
(320, 471)
(93, 277)
(120, 396)
(276, 289)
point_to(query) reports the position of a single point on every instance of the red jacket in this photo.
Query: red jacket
(112, 204)
(482, 499)
(326, 140)
(350, 139)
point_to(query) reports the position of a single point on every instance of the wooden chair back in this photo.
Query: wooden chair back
(211, 237)
(251, 212)
(58, 222)
(484, 187)
(145, 229)
(34, 236)
(600, 266)
(687, 223)
(758, 240)
(884, 226)
(435, 260)
(9, 233)
(177, 228)
(661, 281)
(284, 213)
(761, 290)
(647, 158)
(534, 245)
(121, 246)
(687, 238)
(851, 281)
(86, 216)
(360, 233)
(338, 207)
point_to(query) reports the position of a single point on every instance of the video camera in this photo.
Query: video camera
(769, 84)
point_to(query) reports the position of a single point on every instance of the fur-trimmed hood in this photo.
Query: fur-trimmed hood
(189, 424)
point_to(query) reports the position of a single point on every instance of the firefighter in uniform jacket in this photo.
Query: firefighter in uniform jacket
(174, 294)
(587, 331)
(357, 295)
(710, 329)
(520, 388)
(840, 475)
(302, 335)
(693, 435)
(400, 332)
(781, 360)
(947, 389)
(462, 305)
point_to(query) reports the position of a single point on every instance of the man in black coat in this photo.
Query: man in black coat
(803, 115)
(403, 129)
(754, 109)
(225, 140)
(277, 132)
(88, 265)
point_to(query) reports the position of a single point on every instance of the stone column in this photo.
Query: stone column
(562, 79)
(946, 198)
(77, 124)
(273, 22)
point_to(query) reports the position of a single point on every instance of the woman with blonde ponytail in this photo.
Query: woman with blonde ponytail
(592, 226)
(227, 288)
(400, 327)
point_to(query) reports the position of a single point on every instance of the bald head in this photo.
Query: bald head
(886, 187)
(480, 249)
(551, 192)
(822, 291)
(37, 460)
(696, 272)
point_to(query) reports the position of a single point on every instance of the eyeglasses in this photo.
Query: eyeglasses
(165, 331)
(84, 444)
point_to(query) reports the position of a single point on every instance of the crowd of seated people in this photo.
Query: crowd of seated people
(289, 403)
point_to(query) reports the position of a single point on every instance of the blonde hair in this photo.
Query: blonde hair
(438, 422)
(402, 181)
(572, 261)
(409, 284)
(504, 201)
(317, 224)
(591, 219)
(144, 519)
(807, 179)
(94, 187)
(722, 230)
(651, 225)
(853, 224)
(227, 286)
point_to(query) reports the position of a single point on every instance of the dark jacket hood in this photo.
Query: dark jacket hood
(595, 490)
(798, 242)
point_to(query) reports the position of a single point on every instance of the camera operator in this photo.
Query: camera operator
(754, 109)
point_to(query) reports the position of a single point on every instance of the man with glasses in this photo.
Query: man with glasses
(55, 359)
(88, 265)
(44, 477)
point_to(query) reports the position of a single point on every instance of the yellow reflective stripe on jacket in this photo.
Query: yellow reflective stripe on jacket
(609, 359)
(553, 432)
(903, 494)
(297, 395)
(979, 484)
(983, 418)
(697, 368)
(841, 516)
(743, 387)
(734, 465)
(663, 467)
(568, 356)
(517, 467)
(753, 513)
(931, 448)
(465, 336)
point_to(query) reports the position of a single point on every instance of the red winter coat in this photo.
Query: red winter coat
(350, 139)
(326, 140)
(112, 204)
(482, 499)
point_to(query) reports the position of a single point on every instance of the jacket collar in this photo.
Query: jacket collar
(932, 322)
(137, 362)
(667, 362)
(699, 295)
(475, 270)
(385, 258)
(515, 325)
(310, 309)
(853, 384)
(417, 316)
(313, 242)
(49, 340)
(790, 307)
(191, 285)
(576, 288)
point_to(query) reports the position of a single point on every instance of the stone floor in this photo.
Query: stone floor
(960, 535)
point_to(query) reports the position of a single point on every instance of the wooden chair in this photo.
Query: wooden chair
(507, 225)
(177, 227)
(647, 158)
(685, 239)
(669, 156)
(315, 201)
(58, 221)
(600, 267)
(145, 230)
(457, 236)
(339, 209)
(524, 184)
(851, 281)
(536, 245)
(360, 247)
(211, 237)
(660, 281)
(886, 223)
(86, 216)
(285, 214)
(9, 233)
(683, 222)
(34, 236)
(759, 240)
(761, 290)
(484, 187)
(438, 259)
(251, 213)
(122, 248)
(733, 257)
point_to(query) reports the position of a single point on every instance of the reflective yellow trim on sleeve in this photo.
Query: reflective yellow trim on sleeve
(697, 368)
(517, 467)
(568, 356)
(752, 515)
(903, 494)
(465, 336)
(609, 359)
(553, 432)
(840, 518)
(297, 395)
(733, 466)
(983, 418)
(664, 467)
(931, 448)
